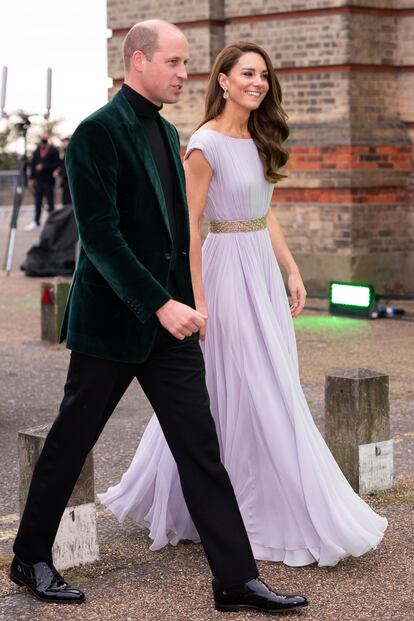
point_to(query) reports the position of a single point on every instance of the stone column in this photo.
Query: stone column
(357, 427)
(76, 540)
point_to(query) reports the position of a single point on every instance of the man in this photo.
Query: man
(44, 162)
(131, 314)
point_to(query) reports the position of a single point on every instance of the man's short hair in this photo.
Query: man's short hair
(141, 38)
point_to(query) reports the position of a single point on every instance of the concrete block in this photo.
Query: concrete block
(375, 466)
(76, 540)
(53, 296)
(357, 427)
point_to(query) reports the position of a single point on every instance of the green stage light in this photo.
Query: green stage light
(346, 298)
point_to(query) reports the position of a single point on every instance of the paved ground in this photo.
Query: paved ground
(130, 582)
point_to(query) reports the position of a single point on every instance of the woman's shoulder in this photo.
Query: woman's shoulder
(204, 135)
(204, 140)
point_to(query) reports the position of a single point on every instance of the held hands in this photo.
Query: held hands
(202, 308)
(297, 292)
(180, 320)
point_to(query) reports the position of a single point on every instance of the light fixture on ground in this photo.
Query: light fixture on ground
(352, 299)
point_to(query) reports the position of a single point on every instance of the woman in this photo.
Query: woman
(296, 504)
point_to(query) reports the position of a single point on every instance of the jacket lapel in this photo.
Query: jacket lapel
(174, 145)
(143, 151)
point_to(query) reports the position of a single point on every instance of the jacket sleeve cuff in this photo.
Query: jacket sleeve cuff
(145, 310)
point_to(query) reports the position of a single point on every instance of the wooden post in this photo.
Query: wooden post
(53, 296)
(76, 540)
(357, 427)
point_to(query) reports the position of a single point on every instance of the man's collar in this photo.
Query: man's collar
(140, 105)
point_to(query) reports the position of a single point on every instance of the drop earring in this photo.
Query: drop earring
(225, 93)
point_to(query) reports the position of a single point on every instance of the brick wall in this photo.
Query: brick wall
(125, 13)
(347, 74)
(297, 41)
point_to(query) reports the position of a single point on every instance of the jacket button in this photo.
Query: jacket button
(184, 252)
(167, 256)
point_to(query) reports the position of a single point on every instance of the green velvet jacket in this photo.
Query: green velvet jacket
(125, 240)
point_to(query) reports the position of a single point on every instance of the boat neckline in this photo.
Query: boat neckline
(208, 129)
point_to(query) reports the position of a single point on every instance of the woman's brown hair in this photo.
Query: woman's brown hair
(267, 125)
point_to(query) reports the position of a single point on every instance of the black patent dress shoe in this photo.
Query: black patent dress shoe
(44, 582)
(255, 595)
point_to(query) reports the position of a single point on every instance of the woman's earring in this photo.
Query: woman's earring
(225, 93)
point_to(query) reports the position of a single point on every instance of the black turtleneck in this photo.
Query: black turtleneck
(148, 116)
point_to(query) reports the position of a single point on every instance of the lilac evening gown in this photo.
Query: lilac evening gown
(296, 504)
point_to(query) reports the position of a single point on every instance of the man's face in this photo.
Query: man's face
(163, 76)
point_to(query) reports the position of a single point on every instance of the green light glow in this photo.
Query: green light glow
(328, 328)
(325, 325)
(350, 295)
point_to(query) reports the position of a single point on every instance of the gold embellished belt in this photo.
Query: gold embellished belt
(238, 226)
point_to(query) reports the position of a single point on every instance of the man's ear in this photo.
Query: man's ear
(137, 60)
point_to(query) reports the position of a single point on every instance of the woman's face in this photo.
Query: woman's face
(247, 82)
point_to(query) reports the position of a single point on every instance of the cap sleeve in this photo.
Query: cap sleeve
(203, 141)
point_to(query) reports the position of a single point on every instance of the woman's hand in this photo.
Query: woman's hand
(201, 307)
(297, 292)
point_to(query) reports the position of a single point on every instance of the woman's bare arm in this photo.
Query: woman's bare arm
(198, 175)
(285, 259)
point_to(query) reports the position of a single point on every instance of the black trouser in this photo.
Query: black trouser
(173, 380)
(41, 189)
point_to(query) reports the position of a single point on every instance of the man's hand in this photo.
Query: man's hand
(180, 320)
